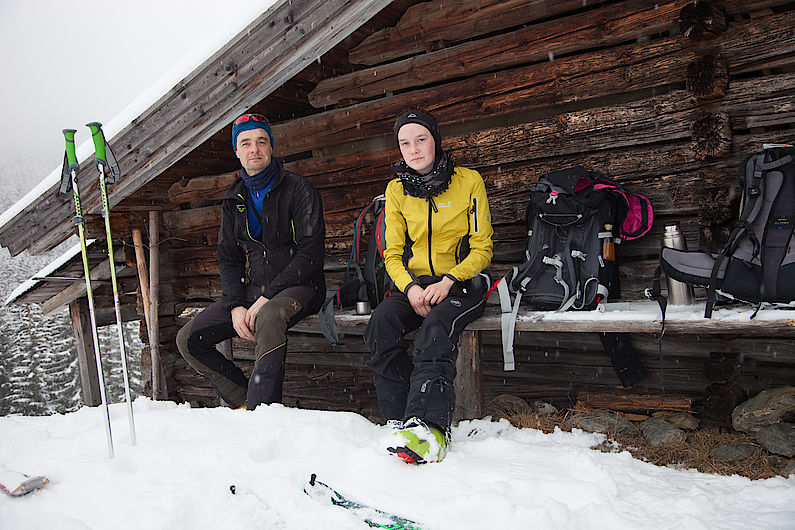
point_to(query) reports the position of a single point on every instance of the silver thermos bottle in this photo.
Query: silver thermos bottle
(679, 293)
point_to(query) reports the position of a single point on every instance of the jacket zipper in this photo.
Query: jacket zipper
(475, 212)
(248, 232)
(430, 231)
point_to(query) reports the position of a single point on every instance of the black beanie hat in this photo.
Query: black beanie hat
(422, 118)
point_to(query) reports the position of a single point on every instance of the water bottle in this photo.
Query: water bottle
(679, 293)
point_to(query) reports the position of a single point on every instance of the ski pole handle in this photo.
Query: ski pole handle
(70, 164)
(106, 161)
(71, 156)
(99, 140)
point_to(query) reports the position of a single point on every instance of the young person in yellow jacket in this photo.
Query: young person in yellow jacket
(438, 242)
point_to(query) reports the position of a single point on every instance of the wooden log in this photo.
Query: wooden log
(625, 400)
(702, 20)
(84, 342)
(193, 261)
(712, 135)
(99, 275)
(708, 77)
(605, 26)
(469, 381)
(143, 275)
(211, 187)
(197, 289)
(621, 317)
(154, 305)
(438, 20)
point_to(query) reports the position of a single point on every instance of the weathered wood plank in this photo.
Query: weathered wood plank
(211, 187)
(192, 221)
(430, 22)
(626, 317)
(605, 26)
(84, 342)
(628, 400)
(77, 289)
(469, 379)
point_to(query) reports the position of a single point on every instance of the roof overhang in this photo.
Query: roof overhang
(270, 51)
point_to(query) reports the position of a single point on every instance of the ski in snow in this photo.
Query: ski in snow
(18, 484)
(374, 517)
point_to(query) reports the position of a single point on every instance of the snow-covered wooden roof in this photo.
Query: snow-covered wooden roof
(256, 62)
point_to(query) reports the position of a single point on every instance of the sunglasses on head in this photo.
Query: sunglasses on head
(253, 117)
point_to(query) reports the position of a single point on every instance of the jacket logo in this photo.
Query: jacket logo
(448, 204)
(455, 302)
(241, 208)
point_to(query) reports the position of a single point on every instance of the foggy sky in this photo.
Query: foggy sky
(67, 63)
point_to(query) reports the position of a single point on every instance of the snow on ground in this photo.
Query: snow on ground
(495, 476)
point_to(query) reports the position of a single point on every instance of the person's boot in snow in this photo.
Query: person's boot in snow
(418, 443)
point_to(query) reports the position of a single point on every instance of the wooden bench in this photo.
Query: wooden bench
(621, 317)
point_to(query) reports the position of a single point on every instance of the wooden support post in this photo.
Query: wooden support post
(81, 325)
(154, 301)
(143, 275)
(469, 381)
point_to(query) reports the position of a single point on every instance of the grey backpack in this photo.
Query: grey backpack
(757, 264)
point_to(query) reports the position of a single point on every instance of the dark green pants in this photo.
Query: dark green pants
(196, 342)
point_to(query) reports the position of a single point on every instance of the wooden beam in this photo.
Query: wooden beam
(202, 188)
(154, 304)
(469, 380)
(84, 342)
(634, 401)
(605, 26)
(442, 21)
(626, 317)
(143, 275)
(99, 275)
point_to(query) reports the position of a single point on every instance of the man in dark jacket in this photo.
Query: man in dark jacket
(270, 256)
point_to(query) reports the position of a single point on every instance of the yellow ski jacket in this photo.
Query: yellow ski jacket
(438, 237)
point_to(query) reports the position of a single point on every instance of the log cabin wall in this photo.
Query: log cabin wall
(666, 98)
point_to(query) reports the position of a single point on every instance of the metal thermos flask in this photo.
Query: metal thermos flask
(679, 293)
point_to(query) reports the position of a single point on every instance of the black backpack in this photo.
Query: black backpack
(365, 277)
(757, 264)
(573, 214)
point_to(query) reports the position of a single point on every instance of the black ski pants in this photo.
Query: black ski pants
(421, 388)
(197, 339)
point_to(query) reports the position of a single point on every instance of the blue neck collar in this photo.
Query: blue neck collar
(261, 180)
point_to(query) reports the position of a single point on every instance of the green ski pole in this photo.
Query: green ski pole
(106, 164)
(69, 180)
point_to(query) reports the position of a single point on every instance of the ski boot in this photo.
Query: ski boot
(418, 443)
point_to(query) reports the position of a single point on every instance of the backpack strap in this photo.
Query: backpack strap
(556, 262)
(508, 318)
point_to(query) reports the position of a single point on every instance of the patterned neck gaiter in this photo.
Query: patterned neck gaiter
(425, 186)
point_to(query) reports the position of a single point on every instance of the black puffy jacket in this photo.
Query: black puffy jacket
(293, 241)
